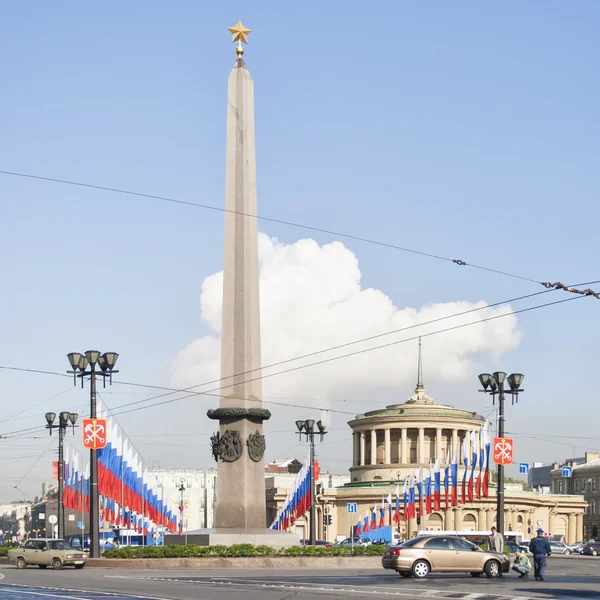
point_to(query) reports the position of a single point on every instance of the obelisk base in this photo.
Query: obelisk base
(229, 537)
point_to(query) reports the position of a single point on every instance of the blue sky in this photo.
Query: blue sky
(461, 129)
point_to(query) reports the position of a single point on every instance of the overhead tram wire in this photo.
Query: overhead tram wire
(208, 392)
(358, 352)
(310, 354)
(268, 219)
(172, 391)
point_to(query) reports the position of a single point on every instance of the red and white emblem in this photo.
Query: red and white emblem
(94, 433)
(503, 451)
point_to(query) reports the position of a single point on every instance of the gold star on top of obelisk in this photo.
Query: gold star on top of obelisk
(239, 34)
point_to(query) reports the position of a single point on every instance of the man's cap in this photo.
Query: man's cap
(540, 530)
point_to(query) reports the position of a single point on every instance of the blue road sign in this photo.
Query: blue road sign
(524, 468)
(567, 471)
(352, 507)
(80, 525)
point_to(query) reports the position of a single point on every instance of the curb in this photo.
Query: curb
(300, 562)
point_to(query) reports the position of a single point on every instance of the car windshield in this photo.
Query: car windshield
(59, 545)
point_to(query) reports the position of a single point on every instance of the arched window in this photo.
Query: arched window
(469, 522)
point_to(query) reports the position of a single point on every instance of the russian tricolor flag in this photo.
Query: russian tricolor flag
(436, 485)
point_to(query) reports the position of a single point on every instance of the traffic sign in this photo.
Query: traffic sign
(524, 468)
(52, 519)
(94, 433)
(567, 471)
(503, 451)
(352, 507)
(80, 524)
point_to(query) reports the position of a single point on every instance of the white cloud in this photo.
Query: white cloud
(311, 299)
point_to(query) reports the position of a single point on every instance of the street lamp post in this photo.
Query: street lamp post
(181, 491)
(65, 419)
(589, 508)
(494, 385)
(308, 429)
(79, 363)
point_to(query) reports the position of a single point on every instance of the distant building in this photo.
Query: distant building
(539, 476)
(584, 481)
(199, 493)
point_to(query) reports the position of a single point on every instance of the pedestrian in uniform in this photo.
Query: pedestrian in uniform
(540, 548)
(521, 565)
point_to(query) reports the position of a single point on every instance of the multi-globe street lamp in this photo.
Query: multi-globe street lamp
(494, 385)
(65, 419)
(307, 428)
(92, 360)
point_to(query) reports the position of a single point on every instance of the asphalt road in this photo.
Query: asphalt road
(567, 577)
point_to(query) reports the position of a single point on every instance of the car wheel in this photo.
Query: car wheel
(594, 553)
(79, 566)
(42, 566)
(473, 574)
(405, 573)
(492, 568)
(567, 552)
(57, 564)
(21, 564)
(420, 569)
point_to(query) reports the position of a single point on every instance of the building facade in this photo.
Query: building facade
(197, 489)
(391, 443)
(585, 482)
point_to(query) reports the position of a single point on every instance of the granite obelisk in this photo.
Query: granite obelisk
(240, 445)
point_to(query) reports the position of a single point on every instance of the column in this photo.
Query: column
(482, 522)
(438, 443)
(387, 447)
(551, 522)
(458, 519)
(355, 449)
(491, 519)
(449, 520)
(421, 446)
(403, 447)
(362, 448)
(454, 443)
(579, 526)
(373, 446)
(400, 449)
(572, 530)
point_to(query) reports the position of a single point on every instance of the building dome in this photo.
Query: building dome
(390, 443)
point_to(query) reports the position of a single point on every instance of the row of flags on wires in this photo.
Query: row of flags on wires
(130, 495)
(422, 490)
(298, 501)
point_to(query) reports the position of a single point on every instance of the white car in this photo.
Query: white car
(347, 543)
(560, 548)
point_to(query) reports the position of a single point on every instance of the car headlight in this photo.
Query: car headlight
(70, 556)
(506, 557)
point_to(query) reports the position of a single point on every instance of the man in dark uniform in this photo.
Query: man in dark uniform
(540, 548)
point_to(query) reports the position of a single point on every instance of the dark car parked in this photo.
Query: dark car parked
(591, 548)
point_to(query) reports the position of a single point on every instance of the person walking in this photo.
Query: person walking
(522, 565)
(540, 548)
(496, 541)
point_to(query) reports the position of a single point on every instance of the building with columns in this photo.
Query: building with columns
(391, 443)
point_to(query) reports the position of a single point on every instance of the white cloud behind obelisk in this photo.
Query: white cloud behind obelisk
(311, 299)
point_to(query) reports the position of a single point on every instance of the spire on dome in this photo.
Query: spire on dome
(420, 397)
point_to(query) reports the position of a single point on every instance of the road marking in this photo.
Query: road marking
(438, 594)
(53, 592)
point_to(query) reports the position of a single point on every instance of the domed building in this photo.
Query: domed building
(390, 443)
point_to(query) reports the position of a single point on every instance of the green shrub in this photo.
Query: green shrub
(4, 551)
(238, 550)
